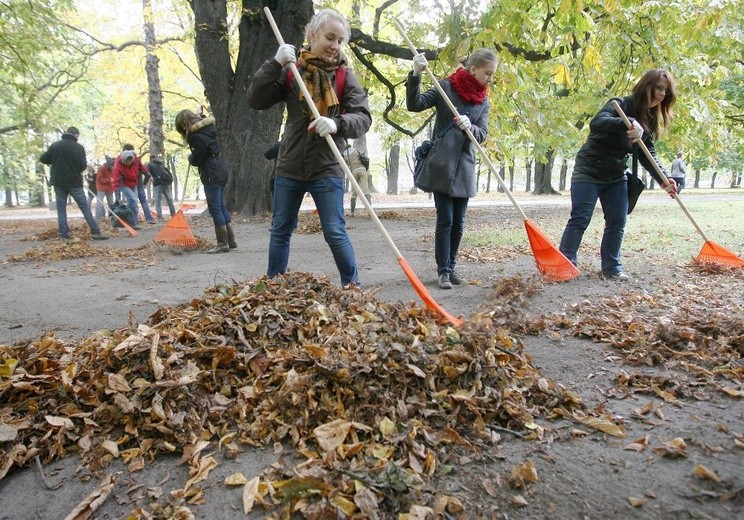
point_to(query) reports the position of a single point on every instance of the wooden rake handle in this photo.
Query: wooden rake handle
(651, 159)
(470, 135)
(331, 142)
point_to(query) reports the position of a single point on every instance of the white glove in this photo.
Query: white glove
(636, 132)
(671, 187)
(323, 126)
(463, 122)
(419, 63)
(285, 54)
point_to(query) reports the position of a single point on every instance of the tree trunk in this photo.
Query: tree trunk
(244, 133)
(564, 175)
(543, 176)
(528, 172)
(393, 169)
(697, 178)
(713, 180)
(154, 91)
(512, 168)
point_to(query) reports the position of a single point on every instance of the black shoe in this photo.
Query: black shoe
(619, 276)
(136, 227)
(444, 281)
(100, 236)
(456, 279)
(151, 222)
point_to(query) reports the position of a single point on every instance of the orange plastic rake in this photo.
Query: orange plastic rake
(551, 263)
(419, 287)
(176, 232)
(711, 252)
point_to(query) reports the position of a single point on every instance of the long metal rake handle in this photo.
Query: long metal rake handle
(332, 143)
(470, 135)
(651, 159)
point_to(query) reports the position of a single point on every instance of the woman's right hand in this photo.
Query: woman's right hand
(636, 132)
(285, 54)
(419, 63)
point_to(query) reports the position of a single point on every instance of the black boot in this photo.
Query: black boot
(221, 247)
(231, 237)
(352, 206)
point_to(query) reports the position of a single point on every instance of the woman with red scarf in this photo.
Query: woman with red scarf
(449, 170)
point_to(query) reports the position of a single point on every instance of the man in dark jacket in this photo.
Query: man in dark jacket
(67, 160)
(161, 185)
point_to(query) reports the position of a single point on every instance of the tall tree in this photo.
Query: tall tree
(244, 132)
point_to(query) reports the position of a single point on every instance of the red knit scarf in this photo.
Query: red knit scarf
(467, 87)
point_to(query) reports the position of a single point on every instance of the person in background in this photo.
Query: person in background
(306, 162)
(67, 160)
(449, 171)
(601, 165)
(105, 186)
(679, 171)
(162, 179)
(125, 174)
(357, 161)
(142, 179)
(90, 180)
(200, 133)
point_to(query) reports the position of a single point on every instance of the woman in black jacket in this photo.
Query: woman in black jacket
(201, 134)
(601, 165)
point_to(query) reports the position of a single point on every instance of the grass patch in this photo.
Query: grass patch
(658, 228)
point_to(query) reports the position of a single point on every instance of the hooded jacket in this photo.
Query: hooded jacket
(303, 155)
(67, 160)
(205, 152)
(604, 155)
(104, 178)
(450, 165)
(126, 176)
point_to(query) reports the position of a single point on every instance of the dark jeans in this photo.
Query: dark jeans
(449, 230)
(215, 193)
(328, 194)
(142, 196)
(614, 200)
(78, 195)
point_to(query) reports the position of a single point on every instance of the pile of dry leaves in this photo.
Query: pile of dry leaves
(377, 396)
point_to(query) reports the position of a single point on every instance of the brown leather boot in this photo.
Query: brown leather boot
(221, 247)
(231, 237)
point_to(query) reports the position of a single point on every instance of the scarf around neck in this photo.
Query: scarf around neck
(467, 87)
(316, 75)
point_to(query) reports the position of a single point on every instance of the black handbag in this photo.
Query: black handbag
(635, 183)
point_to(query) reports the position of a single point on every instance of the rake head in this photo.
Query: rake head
(177, 232)
(713, 253)
(551, 263)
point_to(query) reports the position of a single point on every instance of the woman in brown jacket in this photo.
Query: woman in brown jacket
(306, 163)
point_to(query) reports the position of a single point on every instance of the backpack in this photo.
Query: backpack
(166, 177)
(340, 82)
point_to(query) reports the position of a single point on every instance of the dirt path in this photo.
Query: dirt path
(582, 472)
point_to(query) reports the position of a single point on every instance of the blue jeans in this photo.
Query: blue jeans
(142, 196)
(449, 230)
(614, 200)
(78, 195)
(215, 193)
(108, 196)
(328, 194)
(131, 197)
(165, 191)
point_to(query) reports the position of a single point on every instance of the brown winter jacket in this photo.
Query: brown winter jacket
(305, 156)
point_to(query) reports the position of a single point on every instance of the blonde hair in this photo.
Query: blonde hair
(324, 16)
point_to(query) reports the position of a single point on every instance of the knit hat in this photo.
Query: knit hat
(127, 155)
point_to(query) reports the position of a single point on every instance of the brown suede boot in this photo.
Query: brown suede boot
(231, 238)
(221, 247)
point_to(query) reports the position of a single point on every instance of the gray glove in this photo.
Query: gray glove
(636, 132)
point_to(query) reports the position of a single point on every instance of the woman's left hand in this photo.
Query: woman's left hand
(323, 126)
(463, 122)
